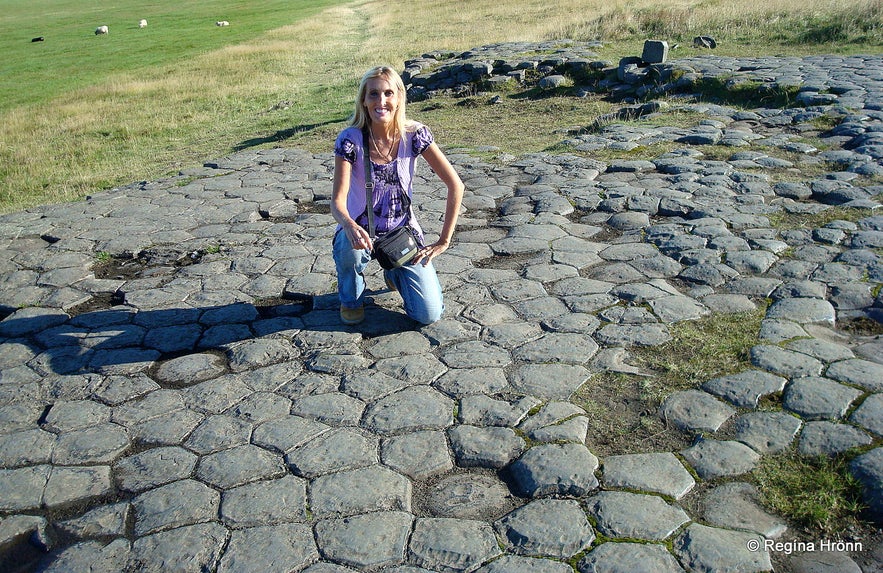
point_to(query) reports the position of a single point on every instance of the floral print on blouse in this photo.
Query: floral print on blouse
(390, 201)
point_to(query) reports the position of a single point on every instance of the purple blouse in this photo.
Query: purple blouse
(390, 204)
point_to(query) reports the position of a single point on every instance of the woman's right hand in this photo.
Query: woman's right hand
(359, 237)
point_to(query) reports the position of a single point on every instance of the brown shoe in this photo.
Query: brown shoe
(352, 315)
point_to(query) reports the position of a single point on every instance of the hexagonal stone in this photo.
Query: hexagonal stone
(829, 438)
(65, 416)
(332, 408)
(285, 434)
(91, 556)
(803, 311)
(215, 396)
(191, 369)
(868, 468)
(399, 344)
(374, 488)
(631, 515)
(703, 548)
(857, 372)
(27, 448)
(484, 447)
(270, 502)
(767, 432)
(190, 548)
(745, 389)
(166, 430)
(152, 405)
(677, 308)
(408, 410)
(549, 527)
(103, 443)
(217, 433)
(412, 369)
(518, 564)
(735, 506)
(364, 541)
(256, 353)
(573, 430)
(103, 521)
(466, 381)
(822, 562)
(555, 469)
(469, 495)
(68, 485)
(22, 489)
(272, 548)
(564, 347)
(260, 407)
(237, 466)
(869, 414)
(716, 458)
(816, 398)
(482, 410)
(341, 449)
(629, 558)
(162, 508)
(784, 362)
(153, 468)
(694, 410)
(451, 545)
(655, 472)
(418, 455)
(549, 381)
(475, 354)
(824, 350)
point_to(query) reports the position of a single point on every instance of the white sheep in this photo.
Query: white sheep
(142, 23)
(222, 23)
(101, 30)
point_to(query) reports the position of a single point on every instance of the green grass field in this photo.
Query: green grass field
(73, 57)
(81, 113)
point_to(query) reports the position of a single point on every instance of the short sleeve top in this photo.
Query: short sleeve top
(391, 194)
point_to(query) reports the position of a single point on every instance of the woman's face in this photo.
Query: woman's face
(381, 100)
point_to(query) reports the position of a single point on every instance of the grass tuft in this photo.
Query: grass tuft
(816, 493)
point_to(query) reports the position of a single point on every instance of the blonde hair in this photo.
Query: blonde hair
(361, 119)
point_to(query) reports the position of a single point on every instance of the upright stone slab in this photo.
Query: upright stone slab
(655, 52)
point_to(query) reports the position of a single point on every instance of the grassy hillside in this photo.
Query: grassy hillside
(80, 112)
(72, 56)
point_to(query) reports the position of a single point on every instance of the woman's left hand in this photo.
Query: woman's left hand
(429, 252)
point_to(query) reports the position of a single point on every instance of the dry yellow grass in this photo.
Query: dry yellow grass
(126, 128)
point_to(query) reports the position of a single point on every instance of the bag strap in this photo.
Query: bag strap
(369, 187)
(369, 183)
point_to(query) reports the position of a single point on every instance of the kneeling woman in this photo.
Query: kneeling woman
(380, 132)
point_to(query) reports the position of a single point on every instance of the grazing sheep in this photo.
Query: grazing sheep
(222, 23)
(142, 23)
(101, 30)
(38, 39)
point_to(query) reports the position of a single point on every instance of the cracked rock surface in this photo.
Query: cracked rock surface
(194, 404)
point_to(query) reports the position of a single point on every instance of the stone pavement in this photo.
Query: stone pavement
(177, 393)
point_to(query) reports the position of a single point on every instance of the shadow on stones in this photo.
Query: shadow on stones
(284, 134)
(124, 340)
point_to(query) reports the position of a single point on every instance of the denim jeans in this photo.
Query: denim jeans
(417, 284)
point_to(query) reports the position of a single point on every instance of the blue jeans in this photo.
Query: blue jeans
(421, 292)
